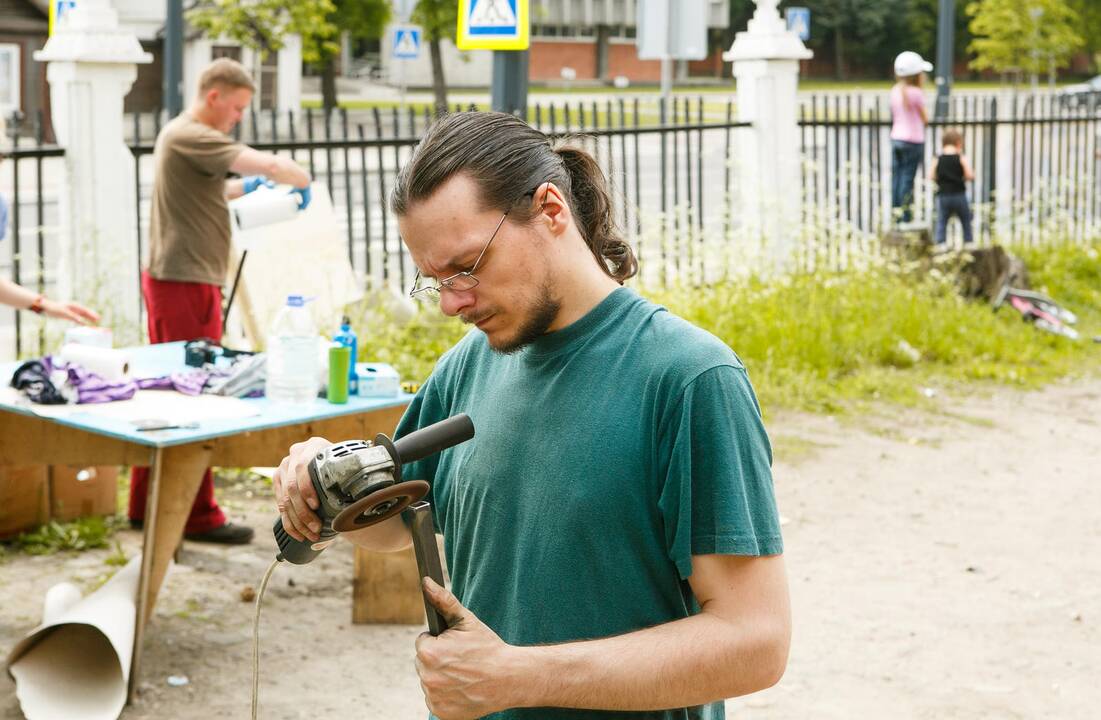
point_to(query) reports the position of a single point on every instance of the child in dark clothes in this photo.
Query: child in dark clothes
(951, 170)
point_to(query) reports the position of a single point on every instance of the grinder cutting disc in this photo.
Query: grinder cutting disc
(379, 505)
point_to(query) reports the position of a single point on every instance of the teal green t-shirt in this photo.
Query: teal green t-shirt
(605, 456)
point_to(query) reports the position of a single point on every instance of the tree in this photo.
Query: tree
(361, 19)
(1023, 36)
(439, 19)
(1089, 12)
(262, 24)
(920, 27)
(855, 30)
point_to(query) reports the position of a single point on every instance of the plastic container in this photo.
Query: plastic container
(339, 361)
(292, 371)
(378, 380)
(347, 338)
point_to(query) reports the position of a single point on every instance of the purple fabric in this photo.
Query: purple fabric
(92, 388)
(188, 383)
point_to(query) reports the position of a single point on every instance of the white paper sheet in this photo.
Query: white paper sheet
(148, 404)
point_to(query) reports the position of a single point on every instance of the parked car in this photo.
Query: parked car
(1081, 95)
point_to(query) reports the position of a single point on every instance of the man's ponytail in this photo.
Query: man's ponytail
(594, 212)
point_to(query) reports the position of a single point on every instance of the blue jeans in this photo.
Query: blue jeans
(905, 159)
(949, 205)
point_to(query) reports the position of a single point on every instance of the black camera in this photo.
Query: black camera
(198, 353)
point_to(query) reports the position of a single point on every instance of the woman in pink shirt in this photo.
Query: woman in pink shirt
(908, 121)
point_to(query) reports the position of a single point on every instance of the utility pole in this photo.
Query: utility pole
(510, 82)
(946, 45)
(173, 58)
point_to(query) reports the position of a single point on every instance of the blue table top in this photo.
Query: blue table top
(167, 358)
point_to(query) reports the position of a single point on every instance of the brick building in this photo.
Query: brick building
(595, 38)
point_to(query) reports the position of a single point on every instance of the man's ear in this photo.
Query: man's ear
(554, 207)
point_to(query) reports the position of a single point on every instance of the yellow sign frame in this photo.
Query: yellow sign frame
(519, 40)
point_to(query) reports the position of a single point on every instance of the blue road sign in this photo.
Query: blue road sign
(407, 43)
(798, 21)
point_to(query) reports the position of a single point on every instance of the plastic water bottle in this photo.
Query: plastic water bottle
(347, 337)
(292, 372)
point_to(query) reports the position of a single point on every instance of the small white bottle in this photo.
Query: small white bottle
(292, 370)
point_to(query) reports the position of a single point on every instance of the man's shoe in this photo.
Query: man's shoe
(228, 534)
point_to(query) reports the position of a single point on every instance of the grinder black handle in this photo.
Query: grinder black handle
(439, 436)
(301, 552)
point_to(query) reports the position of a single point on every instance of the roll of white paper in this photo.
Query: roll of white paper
(109, 364)
(264, 208)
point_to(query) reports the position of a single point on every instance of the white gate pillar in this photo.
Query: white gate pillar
(766, 65)
(91, 66)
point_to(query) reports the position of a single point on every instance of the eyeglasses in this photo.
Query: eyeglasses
(460, 281)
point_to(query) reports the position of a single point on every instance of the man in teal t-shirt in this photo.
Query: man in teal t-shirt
(611, 531)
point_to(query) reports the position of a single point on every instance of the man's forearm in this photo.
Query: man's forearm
(387, 536)
(688, 662)
(285, 170)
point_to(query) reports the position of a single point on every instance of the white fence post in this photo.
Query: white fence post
(766, 65)
(91, 66)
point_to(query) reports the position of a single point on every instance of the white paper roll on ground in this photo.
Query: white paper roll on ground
(60, 599)
(264, 209)
(109, 364)
(76, 666)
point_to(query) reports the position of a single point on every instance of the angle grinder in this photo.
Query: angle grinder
(359, 484)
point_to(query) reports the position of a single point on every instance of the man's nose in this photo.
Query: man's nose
(454, 302)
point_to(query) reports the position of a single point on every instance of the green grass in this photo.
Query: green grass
(828, 342)
(81, 534)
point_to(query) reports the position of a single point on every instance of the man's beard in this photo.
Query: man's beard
(539, 319)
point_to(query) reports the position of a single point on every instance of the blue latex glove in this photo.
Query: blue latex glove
(304, 196)
(252, 182)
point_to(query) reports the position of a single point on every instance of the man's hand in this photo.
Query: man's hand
(72, 311)
(253, 182)
(304, 196)
(466, 671)
(294, 493)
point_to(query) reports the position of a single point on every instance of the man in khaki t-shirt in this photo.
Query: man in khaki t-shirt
(189, 242)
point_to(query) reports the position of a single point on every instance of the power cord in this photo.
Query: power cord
(256, 637)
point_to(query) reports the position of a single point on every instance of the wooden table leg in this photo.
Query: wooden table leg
(174, 479)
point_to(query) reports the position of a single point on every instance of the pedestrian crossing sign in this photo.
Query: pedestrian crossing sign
(407, 43)
(493, 25)
(798, 19)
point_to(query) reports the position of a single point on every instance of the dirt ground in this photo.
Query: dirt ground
(942, 565)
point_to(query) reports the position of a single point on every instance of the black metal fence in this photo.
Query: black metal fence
(1036, 159)
(667, 166)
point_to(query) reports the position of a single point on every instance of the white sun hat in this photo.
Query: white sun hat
(910, 63)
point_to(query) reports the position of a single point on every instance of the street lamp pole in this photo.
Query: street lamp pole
(946, 41)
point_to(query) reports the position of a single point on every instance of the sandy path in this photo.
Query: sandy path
(941, 567)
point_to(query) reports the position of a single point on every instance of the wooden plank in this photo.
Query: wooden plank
(269, 446)
(140, 605)
(386, 588)
(29, 440)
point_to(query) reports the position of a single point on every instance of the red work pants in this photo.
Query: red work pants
(181, 311)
